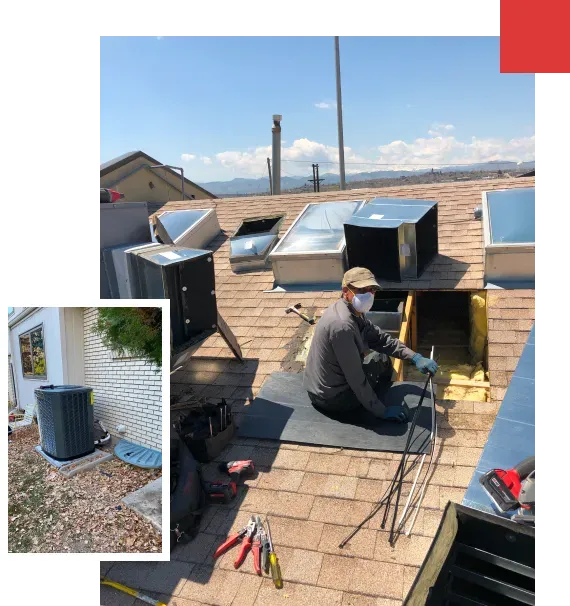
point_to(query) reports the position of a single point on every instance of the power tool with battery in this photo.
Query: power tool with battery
(513, 490)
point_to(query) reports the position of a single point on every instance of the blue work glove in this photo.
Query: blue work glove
(396, 413)
(424, 365)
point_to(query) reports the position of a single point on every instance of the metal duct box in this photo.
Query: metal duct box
(186, 277)
(252, 242)
(312, 251)
(508, 232)
(192, 228)
(387, 311)
(119, 270)
(121, 224)
(65, 420)
(394, 238)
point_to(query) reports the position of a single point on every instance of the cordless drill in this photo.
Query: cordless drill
(237, 469)
(224, 492)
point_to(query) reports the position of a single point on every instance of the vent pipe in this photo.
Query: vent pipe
(276, 152)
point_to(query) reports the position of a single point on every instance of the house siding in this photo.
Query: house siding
(128, 391)
(11, 390)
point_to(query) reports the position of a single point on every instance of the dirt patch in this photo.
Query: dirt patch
(49, 513)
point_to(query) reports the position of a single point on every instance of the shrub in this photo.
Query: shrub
(133, 331)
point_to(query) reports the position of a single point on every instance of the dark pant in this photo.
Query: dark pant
(378, 370)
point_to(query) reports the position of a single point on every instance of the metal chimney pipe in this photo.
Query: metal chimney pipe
(276, 153)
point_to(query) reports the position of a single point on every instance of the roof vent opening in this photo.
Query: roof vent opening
(253, 241)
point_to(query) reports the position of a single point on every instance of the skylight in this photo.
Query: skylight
(313, 249)
(508, 231)
(193, 228)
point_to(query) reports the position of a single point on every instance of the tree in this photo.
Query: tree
(133, 331)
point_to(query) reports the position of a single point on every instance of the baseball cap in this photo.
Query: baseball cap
(360, 277)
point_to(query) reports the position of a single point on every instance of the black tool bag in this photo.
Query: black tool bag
(187, 498)
(207, 429)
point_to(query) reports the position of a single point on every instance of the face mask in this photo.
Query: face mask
(363, 302)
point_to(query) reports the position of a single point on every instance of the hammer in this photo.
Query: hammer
(295, 309)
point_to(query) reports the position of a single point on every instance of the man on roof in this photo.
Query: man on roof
(334, 374)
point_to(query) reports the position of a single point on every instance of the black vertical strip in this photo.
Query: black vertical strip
(553, 359)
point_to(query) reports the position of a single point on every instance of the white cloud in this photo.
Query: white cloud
(437, 130)
(435, 150)
(188, 157)
(326, 105)
(159, 37)
(441, 150)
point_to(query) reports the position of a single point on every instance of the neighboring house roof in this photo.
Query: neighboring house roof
(315, 495)
(119, 161)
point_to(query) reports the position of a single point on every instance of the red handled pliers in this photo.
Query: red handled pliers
(246, 535)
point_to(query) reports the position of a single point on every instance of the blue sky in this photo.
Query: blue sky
(206, 103)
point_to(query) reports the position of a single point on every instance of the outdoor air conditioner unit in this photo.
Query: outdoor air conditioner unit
(394, 238)
(65, 419)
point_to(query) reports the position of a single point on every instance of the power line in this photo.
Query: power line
(391, 163)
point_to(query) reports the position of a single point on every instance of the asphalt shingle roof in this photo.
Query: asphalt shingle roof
(314, 495)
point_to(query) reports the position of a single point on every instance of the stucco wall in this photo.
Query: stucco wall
(127, 391)
(135, 183)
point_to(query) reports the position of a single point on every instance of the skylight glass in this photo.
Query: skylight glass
(511, 216)
(319, 228)
(176, 222)
(251, 246)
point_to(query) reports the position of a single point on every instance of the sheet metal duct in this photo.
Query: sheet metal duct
(186, 277)
(394, 238)
(119, 271)
(252, 242)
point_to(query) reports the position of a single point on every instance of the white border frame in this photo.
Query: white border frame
(89, 560)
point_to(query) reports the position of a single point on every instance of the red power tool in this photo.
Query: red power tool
(237, 469)
(513, 489)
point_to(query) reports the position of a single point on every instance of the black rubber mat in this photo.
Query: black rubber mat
(282, 411)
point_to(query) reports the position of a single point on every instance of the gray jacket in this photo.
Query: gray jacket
(341, 340)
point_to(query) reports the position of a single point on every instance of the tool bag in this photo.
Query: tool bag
(187, 498)
(207, 429)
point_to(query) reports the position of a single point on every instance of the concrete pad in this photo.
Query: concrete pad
(147, 502)
(75, 466)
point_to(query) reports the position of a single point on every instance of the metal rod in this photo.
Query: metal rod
(433, 448)
(404, 456)
(173, 168)
(409, 499)
(387, 494)
(270, 182)
(339, 115)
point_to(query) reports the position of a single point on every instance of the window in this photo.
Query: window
(32, 352)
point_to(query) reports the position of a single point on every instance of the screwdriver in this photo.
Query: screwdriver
(273, 561)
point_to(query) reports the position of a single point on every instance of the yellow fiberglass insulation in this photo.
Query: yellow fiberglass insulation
(478, 321)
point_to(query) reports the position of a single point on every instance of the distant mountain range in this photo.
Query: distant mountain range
(257, 186)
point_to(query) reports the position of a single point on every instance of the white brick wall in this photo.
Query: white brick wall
(128, 391)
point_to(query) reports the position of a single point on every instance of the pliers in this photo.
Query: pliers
(246, 535)
(264, 546)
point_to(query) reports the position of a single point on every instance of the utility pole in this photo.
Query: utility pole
(270, 182)
(339, 115)
(315, 180)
